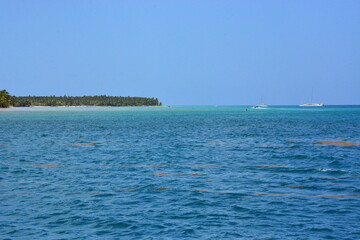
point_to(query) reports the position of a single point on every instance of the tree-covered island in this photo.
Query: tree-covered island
(6, 101)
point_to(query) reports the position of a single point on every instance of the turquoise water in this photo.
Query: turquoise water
(180, 173)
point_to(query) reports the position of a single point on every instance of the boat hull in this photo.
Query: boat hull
(312, 105)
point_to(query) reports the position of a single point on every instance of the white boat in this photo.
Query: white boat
(263, 105)
(260, 106)
(312, 105)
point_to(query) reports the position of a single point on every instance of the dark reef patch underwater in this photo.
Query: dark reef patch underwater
(180, 173)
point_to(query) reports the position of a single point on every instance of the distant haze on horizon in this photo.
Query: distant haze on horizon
(202, 52)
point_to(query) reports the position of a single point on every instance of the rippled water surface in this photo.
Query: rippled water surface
(180, 173)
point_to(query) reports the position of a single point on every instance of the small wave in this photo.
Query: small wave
(328, 170)
(44, 165)
(83, 144)
(330, 177)
(128, 190)
(337, 143)
(178, 174)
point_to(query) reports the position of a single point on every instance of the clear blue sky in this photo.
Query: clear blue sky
(200, 52)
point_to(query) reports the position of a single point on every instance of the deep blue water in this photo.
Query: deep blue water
(180, 173)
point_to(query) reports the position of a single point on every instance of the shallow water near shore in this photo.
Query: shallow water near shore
(180, 173)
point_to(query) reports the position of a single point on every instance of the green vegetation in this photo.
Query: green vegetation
(102, 100)
(6, 100)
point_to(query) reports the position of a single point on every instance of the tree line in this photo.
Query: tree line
(101, 100)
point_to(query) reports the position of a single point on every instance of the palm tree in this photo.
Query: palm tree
(5, 99)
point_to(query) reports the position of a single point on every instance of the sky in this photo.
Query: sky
(184, 52)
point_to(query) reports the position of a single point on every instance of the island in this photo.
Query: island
(6, 100)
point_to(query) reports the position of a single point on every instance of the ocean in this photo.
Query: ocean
(207, 172)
